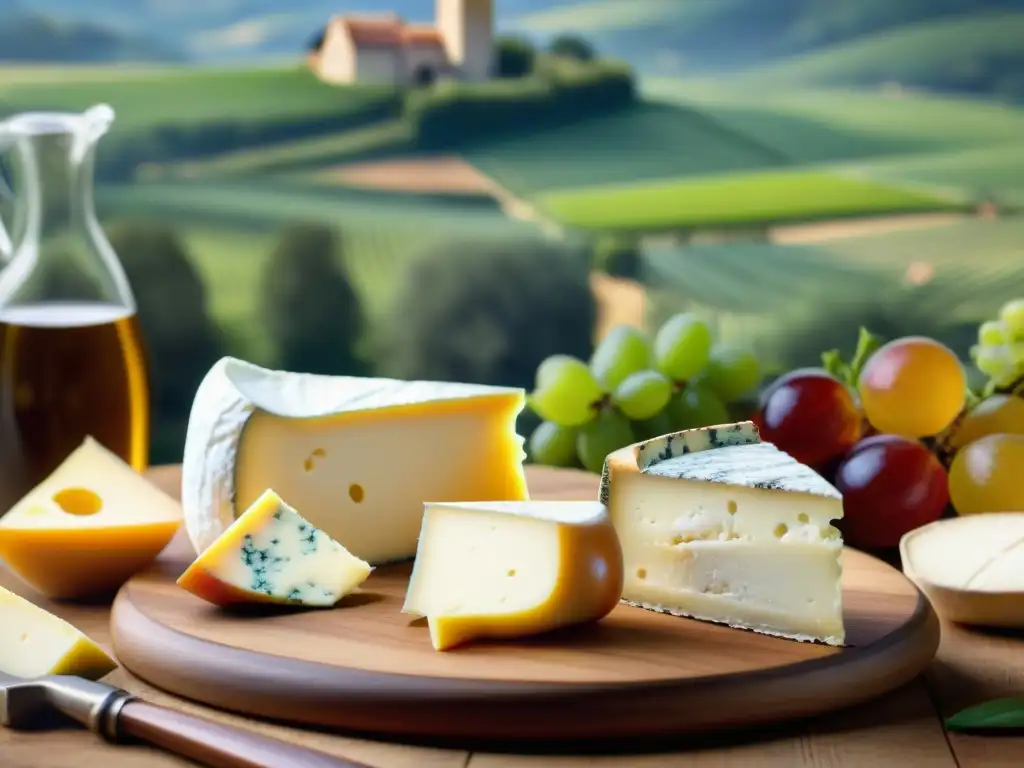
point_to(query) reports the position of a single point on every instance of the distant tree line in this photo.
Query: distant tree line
(480, 311)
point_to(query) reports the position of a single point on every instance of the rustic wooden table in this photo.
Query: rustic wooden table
(903, 729)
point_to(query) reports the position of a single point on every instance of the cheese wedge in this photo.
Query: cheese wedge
(87, 527)
(506, 570)
(272, 555)
(34, 642)
(358, 457)
(719, 526)
(971, 568)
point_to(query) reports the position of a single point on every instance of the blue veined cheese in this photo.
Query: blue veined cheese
(272, 554)
(719, 526)
(358, 456)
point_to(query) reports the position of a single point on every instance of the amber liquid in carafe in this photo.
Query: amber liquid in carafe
(68, 370)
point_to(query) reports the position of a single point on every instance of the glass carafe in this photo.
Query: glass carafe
(71, 355)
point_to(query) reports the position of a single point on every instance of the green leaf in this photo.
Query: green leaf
(992, 715)
(867, 345)
(833, 362)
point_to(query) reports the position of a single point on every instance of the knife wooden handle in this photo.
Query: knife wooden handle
(216, 745)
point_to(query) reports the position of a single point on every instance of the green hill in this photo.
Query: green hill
(36, 37)
(978, 54)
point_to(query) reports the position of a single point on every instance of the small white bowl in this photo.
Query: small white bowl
(971, 568)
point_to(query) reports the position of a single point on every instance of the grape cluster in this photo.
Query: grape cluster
(999, 353)
(634, 388)
(899, 433)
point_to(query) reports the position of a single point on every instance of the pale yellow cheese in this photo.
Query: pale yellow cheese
(34, 642)
(358, 457)
(718, 526)
(271, 554)
(87, 527)
(506, 570)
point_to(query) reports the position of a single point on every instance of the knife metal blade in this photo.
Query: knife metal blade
(95, 705)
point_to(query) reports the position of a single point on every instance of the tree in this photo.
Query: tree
(618, 257)
(313, 315)
(514, 57)
(572, 47)
(489, 313)
(182, 341)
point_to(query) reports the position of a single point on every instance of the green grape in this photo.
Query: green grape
(992, 333)
(565, 391)
(553, 445)
(682, 347)
(605, 434)
(1012, 315)
(624, 351)
(659, 424)
(731, 372)
(995, 362)
(642, 395)
(697, 406)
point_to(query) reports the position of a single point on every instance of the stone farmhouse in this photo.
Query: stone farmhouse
(383, 48)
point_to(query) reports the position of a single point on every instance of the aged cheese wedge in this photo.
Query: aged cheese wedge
(505, 570)
(34, 642)
(272, 555)
(87, 527)
(358, 457)
(719, 526)
(971, 568)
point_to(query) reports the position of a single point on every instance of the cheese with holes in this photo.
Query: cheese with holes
(271, 554)
(358, 456)
(87, 527)
(506, 570)
(719, 526)
(34, 642)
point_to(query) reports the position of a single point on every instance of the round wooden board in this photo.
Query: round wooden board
(366, 667)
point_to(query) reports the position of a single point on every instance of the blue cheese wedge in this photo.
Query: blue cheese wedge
(719, 526)
(271, 554)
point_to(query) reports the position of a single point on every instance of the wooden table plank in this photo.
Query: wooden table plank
(971, 667)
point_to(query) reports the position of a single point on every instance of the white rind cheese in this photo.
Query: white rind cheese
(358, 456)
(719, 526)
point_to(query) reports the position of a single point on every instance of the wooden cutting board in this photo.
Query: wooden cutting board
(365, 667)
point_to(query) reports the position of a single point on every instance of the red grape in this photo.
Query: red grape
(810, 415)
(890, 486)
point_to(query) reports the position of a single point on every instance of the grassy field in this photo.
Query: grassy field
(811, 125)
(735, 200)
(755, 292)
(651, 140)
(232, 229)
(151, 96)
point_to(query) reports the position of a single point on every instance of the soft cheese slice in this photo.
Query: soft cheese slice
(719, 526)
(971, 567)
(272, 555)
(504, 570)
(357, 456)
(34, 642)
(87, 527)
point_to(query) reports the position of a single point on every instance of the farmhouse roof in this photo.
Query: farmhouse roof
(422, 34)
(374, 31)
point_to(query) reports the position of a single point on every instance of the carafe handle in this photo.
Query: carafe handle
(6, 245)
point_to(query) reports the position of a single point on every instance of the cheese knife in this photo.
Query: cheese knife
(118, 717)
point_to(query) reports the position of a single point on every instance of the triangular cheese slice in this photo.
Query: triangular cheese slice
(34, 643)
(271, 554)
(357, 456)
(719, 526)
(87, 527)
